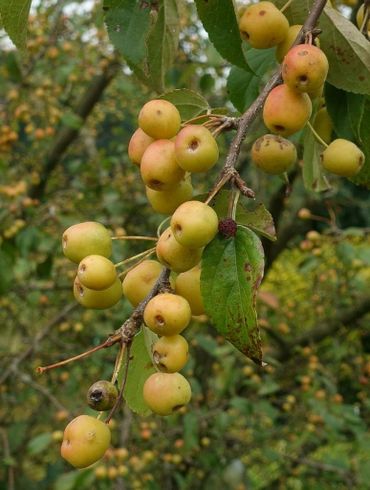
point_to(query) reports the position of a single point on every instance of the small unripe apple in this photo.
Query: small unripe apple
(305, 68)
(91, 298)
(85, 441)
(160, 119)
(196, 149)
(88, 238)
(165, 202)
(96, 272)
(283, 47)
(159, 168)
(187, 285)
(194, 224)
(273, 154)
(102, 395)
(342, 157)
(139, 142)
(165, 393)
(140, 280)
(262, 25)
(286, 111)
(170, 354)
(174, 255)
(323, 125)
(167, 314)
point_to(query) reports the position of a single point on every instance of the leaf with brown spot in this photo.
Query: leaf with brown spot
(232, 270)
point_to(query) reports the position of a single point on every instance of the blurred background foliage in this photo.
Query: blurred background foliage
(299, 423)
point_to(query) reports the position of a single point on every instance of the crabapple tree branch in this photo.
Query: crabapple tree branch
(346, 317)
(66, 135)
(245, 121)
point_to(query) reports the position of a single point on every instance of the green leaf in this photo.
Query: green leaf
(346, 48)
(363, 177)
(140, 368)
(191, 430)
(243, 88)
(347, 51)
(313, 176)
(14, 17)
(256, 217)
(146, 36)
(219, 20)
(75, 480)
(39, 443)
(261, 60)
(232, 271)
(339, 112)
(189, 103)
(128, 24)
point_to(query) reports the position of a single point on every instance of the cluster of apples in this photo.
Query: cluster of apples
(89, 245)
(288, 106)
(164, 165)
(167, 155)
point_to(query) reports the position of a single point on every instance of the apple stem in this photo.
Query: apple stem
(146, 253)
(107, 343)
(132, 237)
(284, 7)
(125, 349)
(161, 224)
(317, 136)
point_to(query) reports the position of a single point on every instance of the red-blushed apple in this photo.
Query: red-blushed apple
(139, 142)
(159, 168)
(305, 68)
(286, 111)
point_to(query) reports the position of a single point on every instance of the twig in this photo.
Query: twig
(43, 369)
(38, 338)
(66, 136)
(346, 317)
(146, 253)
(122, 389)
(7, 455)
(124, 237)
(25, 378)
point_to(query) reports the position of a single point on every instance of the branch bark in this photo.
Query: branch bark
(67, 136)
